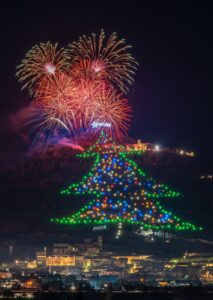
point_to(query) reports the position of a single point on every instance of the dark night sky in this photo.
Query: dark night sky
(172, 41)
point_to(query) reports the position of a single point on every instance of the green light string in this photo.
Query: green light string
(102, 210)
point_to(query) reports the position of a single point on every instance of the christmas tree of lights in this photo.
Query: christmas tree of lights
(121, 192)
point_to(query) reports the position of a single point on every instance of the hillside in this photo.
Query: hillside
(30, 193)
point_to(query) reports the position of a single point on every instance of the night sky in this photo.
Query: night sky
(172, 41)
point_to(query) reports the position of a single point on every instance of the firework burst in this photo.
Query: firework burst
(41, 61)
(109, 59)
(110, 107)
(57, 102)
(51, 87)
(86, 93)
(73, 88)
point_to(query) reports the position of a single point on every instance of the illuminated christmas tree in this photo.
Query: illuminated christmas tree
(121, 192)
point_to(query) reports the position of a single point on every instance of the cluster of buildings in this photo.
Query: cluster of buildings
(88, 266)
(141, 146)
